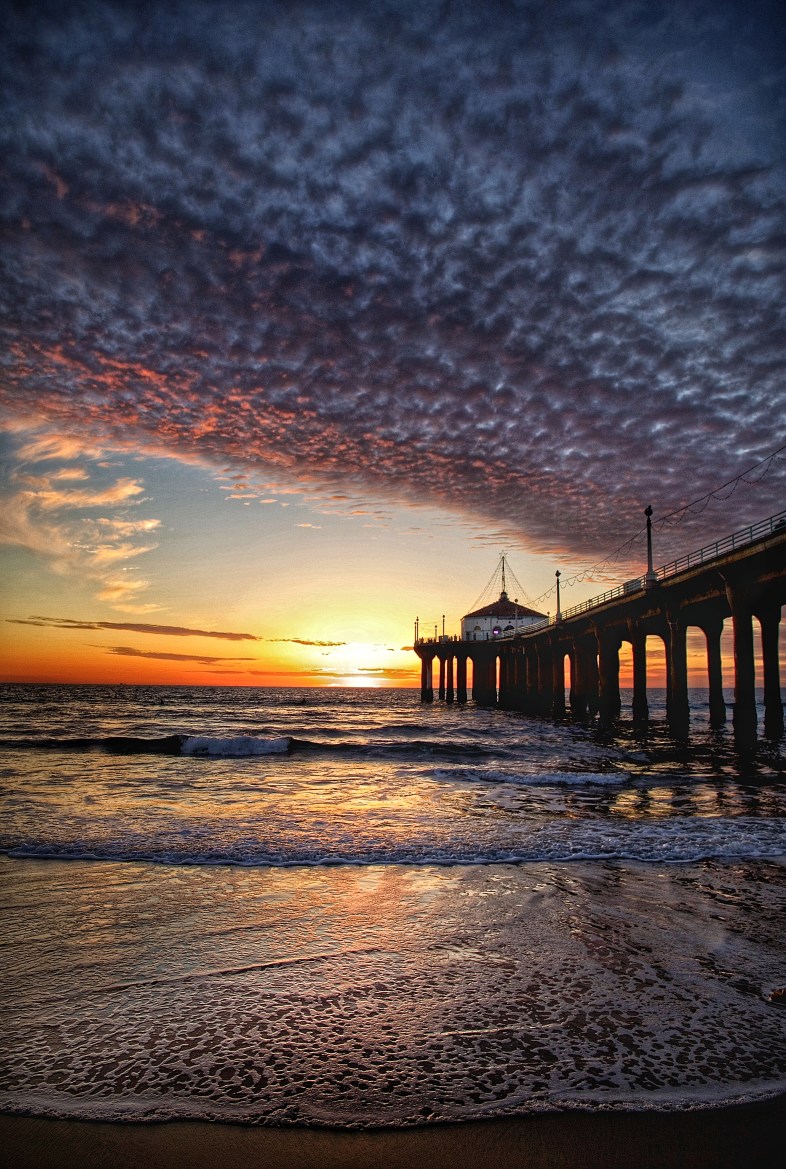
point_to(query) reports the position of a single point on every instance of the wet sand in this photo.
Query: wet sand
(746, 1136)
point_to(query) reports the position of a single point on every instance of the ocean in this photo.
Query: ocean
(342, 907)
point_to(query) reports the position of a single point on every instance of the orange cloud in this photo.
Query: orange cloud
(129, 652)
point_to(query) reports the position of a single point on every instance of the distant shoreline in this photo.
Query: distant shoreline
(742, 1136)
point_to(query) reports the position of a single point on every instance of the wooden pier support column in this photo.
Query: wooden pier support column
(572, 665)
(545, 677)
(441, 679)
(677, 706)
(578, 693)
(609, 677)
(461, 679)
(579, 680)
(531, 685)
(584, 677)
(744, 719)
(591, 649)
(484, 679)
(558, 679)
(449, 694)
(512, 678)
(518, 679)
(504, 679)
(713, 631)
(426, 687)
(770, 618)
(638, 641)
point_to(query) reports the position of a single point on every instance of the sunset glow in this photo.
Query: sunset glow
(368, 297)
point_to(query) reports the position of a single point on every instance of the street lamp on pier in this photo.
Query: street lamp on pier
(558, 616)
(650, 579)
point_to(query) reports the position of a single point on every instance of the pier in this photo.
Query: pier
(740, 577)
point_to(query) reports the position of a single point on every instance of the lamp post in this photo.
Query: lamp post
(558, 616)
(417, 623)
(443, 626)
(650, 579)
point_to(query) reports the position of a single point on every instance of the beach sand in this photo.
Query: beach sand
(746, 1136)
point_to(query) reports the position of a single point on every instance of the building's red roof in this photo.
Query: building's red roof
(504, 608)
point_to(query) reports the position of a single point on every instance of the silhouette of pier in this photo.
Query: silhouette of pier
(740, 577)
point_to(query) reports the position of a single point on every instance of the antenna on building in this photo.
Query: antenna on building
(502, 558)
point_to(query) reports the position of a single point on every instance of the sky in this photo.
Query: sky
(311, 310)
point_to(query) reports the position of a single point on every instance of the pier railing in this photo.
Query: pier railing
(775, 524)
(731, 543)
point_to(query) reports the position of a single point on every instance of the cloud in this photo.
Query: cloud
(42, 447)
(303, 641)
(41, 511)
(128, 652)
(122, 491)
(122, 592)
(131, 627)
(119, 527)
(387, 671)
(530, 269)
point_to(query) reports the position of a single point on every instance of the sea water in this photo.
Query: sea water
(343, 907)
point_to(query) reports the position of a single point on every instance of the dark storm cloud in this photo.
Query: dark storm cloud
(525, 260)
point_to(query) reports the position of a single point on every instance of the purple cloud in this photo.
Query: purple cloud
(529, 268)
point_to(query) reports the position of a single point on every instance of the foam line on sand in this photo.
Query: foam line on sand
(745, 1136)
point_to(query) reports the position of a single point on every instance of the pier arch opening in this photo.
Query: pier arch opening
(656, 673)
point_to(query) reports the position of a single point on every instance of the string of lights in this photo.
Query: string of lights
(672, 518)
(699, 505)
(500, 578)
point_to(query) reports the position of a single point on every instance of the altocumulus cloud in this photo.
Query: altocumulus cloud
(520, 259)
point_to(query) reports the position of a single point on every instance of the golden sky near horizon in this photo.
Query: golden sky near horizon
(120, 567)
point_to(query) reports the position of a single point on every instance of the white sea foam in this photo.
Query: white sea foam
(442, 997)
(286, 842)
(234, 748)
